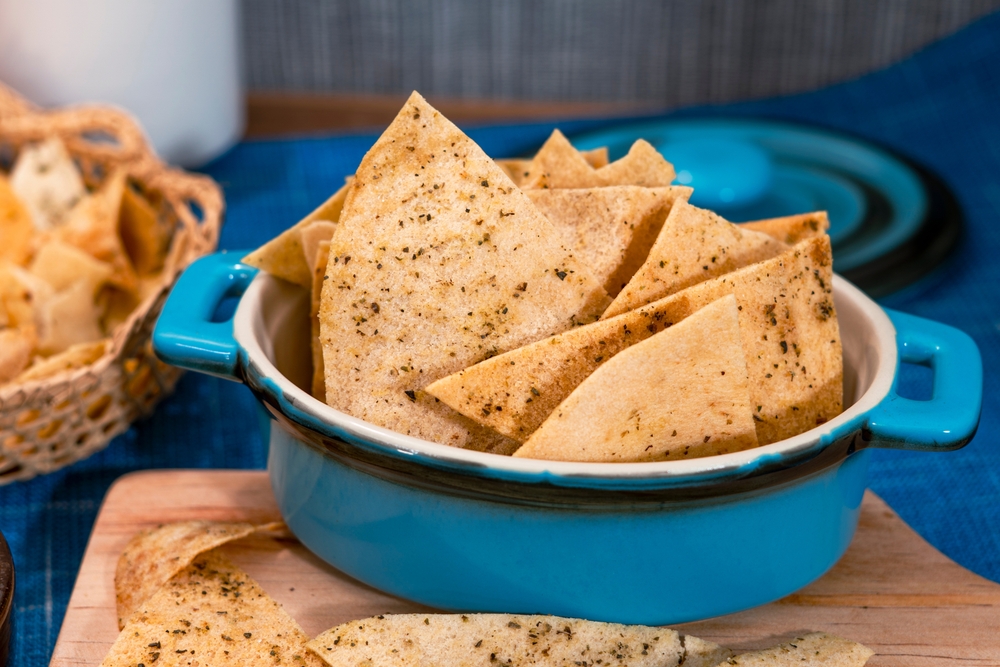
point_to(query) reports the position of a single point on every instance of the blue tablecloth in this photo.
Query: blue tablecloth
(941, 107)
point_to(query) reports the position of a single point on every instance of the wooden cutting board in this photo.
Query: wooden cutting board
(892, 591)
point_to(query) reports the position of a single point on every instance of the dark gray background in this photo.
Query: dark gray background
(668, 53)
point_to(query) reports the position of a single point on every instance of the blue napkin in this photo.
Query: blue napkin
(939, 107)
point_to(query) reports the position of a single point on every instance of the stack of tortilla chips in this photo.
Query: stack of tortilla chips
(559, 307)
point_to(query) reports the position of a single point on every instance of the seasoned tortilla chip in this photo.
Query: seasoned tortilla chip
(77, 356)
(152, 557)
(520, 169)
(47, 181)
(438, 262)
(92, 226)
(694, 245)
(283, 256)
(20, 293)
(679, 394)
(16, 229)
(144, 235)
(558, 165)
(210, 613)
(611, 228)
(792, 229)
(812, 650)
(487, 640)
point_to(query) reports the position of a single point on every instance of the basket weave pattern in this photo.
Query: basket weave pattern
(50, 423)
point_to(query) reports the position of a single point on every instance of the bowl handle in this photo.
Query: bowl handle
(186, 334)
(950, 418)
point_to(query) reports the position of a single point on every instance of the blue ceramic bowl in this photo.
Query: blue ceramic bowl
(654, 543)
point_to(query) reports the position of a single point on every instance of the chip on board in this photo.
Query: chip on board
(816, 649)
(152, 557)
(487, 640)
(694, 245)
(679, 394)
(438, 262)
(283, 255)
(612, 228)
(210, 613)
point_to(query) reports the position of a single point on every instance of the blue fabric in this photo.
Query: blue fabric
(939, 107)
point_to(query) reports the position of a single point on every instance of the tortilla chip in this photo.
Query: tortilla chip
(792, 229)
(611, 228)
(811, 650)
(16, 228)
(210, 613)
(68, 318)
(312, 235)
(283, 256)
(20, 292)
(47, 181)
(702, 653)
(71, 359)
(154, 556)
(60, 265)
(520, 169)
(559, 165)
(144, 235)
(16, 346)
(679, 394)
(92, 226)
(694, 245)
(320, 257)
(470, 640)
(438, 262)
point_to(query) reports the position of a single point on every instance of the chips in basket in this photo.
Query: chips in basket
(559, 307)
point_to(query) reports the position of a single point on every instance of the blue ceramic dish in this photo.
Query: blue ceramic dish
(654, 543)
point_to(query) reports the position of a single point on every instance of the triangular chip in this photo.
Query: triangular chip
(694, 245)
(520, 169)
(676, 395)
(488, 640)
(283, 256)
(611, 228)
(210, 613)
(152, 557)
(792, 229)
(438, 262)
(68, 318)
(816, 649)
(92, 226)
(144, 234)
(20, 294)
(16, 229)
(47, 181)
(558, 165)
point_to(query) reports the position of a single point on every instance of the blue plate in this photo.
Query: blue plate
(884, 210)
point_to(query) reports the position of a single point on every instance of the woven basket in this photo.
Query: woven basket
(50, 423)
